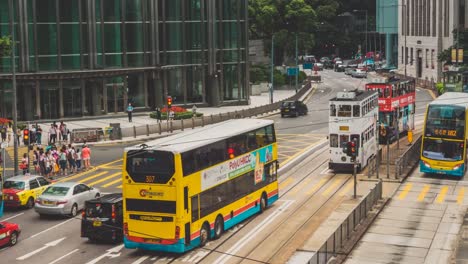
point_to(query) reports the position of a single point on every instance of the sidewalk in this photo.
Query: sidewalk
(142, 119)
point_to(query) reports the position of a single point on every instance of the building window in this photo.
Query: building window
(434, 16)
(446, 18)
(427, 58)
(432, 59)
(406, 55)
(402, 54)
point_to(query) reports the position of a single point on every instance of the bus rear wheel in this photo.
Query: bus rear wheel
(204, 235)
(219, 227)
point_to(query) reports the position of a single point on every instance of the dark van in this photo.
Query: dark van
(102, 218)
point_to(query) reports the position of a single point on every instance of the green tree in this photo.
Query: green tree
(5, 46)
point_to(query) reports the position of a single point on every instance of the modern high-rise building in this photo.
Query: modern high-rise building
(91, 57)
(425, 30)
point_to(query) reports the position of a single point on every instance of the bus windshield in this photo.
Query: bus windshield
(445, 121)
(150, 166)
(438, 149)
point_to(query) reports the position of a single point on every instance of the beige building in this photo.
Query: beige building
(425, 29)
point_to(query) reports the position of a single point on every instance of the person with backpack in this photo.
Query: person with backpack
(78, 159)
(63, 162)
(71, 158)
(130, 111)
(24, 164)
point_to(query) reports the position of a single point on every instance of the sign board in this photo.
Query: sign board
(292, 71)
(307, 66)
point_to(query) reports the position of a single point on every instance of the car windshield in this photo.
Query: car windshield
(286, 104)
(56, 191)
(98, 209)
(18, 185)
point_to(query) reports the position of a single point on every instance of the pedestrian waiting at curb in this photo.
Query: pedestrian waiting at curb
(25, 164)
(78, 159)
(130, 111)
(86, 157)
(158, 115)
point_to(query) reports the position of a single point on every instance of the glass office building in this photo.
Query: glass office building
(91, 57)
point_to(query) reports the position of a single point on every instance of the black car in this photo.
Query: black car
(293, 108)
(103, 219)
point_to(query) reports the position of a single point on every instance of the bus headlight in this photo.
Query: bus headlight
(457, 167)
(426, 164)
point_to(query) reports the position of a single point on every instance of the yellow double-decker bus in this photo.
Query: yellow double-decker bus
(184, 190)
(444, 140)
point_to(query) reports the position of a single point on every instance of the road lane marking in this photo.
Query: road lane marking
(301, 152)
(423, 193)
(110, 253)
(93, 177)
(50, 244)
(441, 196)
(11, 217)
(285, 183)
(112, 183)
(297, 188)
(461, 195)
(77, 175)
(105, 179)
(119, 187)
(346, 189)
(50, 228)
(316, 186)
(330, 188)
(140, 260)
(64, 256)
(253, 233)
(405, 191)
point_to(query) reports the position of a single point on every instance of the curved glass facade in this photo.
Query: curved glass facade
(92, 57)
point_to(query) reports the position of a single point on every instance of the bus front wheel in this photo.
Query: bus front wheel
(263, 203)
(219, 227)
(204, 234)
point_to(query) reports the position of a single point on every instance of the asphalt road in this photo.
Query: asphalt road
(57, 240)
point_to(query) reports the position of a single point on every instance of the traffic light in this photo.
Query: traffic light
(169, 102)
(353, 149)
(26, 136)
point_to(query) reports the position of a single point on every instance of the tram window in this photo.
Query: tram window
(332, 110)
(344, 139)
(356, 110)
(333, 140)
(344, 111)
(386, 93)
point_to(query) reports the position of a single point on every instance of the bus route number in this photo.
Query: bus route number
(150, 179)
(445, 132)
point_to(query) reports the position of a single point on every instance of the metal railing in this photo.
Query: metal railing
(335, 243)
(174, 125)
(408, 159)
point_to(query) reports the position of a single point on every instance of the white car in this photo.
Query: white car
(359, 73)
(65, 198)
(319, 66)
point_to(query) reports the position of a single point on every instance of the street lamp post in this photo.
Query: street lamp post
(13, 76)
(272, 67)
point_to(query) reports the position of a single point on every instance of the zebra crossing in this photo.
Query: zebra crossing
(433, 192)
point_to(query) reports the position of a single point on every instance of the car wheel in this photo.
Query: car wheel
(13, 238)
(30, 203)
(74, 210)
(204, 235)
(219, 227)
(263, 203)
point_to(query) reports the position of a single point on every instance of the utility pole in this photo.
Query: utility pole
(13, 76)
(272, 66)
(297, 65)
(355, 177)
(377, 162)
(405, 30)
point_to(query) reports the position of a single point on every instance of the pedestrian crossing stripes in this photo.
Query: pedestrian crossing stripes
(432, 193)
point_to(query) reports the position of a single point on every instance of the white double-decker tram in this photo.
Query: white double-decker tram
(353, 118)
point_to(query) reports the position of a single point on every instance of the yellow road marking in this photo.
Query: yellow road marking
(316, 186)
(423, 193)
(93, 177)
(461, 195)
(112, 183)
(405, 191)
(285, 183)
(120, 186)
(78, 175)
(441, 196)
(347, 188)
(330, 188)
(299, 187)
(104, 179)
(299, 153)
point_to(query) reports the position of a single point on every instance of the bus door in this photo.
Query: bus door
(186, 211)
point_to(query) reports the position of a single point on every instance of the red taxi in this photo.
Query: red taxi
(9, 233)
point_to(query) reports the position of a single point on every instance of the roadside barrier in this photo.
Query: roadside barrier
(335, 243)
(408, 159)
(174, 125)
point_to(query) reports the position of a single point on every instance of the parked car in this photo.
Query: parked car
(339, 66)
(9, 233)
(21, 191)
(348, 70)
(359, 73)
(102, 218)
(65, 198)
(293, 108)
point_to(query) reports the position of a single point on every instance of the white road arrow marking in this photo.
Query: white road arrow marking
(111, 253)
(140, 260)
(50, 244)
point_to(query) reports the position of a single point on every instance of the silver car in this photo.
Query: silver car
(65, 198)
(359, 73)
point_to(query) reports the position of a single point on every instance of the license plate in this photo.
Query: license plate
(48, 203)
(286, 110)
(97, 223)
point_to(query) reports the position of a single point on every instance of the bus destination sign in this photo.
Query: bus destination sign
(445, 132)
